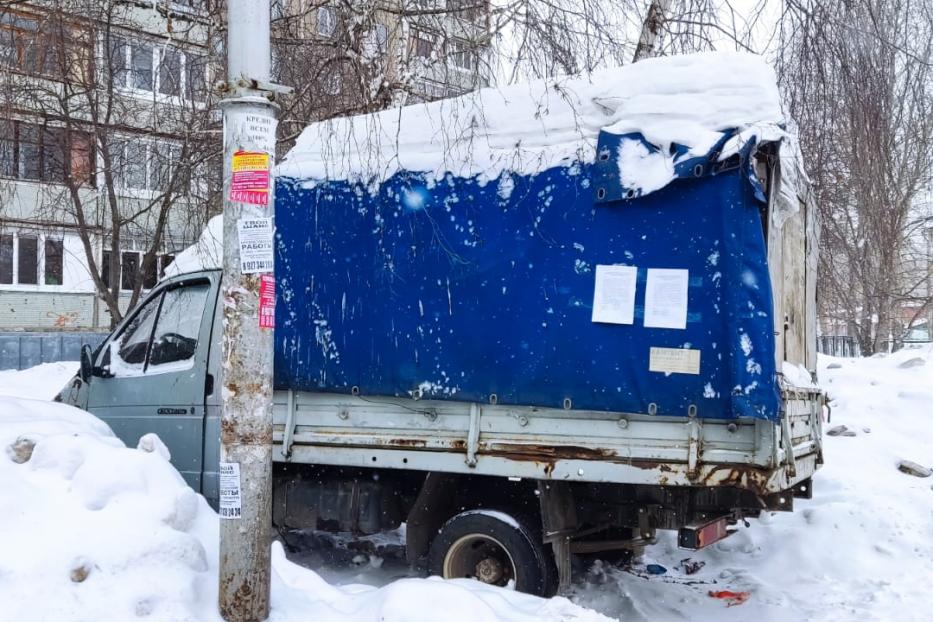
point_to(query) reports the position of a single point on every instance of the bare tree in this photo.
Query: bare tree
(858, 75)
(127, 110)
(114, 121)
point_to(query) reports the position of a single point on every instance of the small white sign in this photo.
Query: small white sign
(256, 247)
(230, 490)
(614, 294)
(674, 361)
(255, 132)
(666, 298)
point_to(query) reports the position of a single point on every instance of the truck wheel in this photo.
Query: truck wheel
(491, 547)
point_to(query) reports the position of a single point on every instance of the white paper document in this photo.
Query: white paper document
(256, 249)
(614, 294)
(674, 360)
(230, 490)
(666, 298)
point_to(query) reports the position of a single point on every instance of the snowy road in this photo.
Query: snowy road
(861, 549)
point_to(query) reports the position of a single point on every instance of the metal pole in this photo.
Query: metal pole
(246, 387)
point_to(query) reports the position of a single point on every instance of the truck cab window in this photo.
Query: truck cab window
(132, 345)
(176, 334)
(164, 330)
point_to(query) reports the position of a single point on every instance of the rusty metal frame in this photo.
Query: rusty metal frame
(551, 444)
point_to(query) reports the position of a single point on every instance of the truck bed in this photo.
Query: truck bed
(544, 443)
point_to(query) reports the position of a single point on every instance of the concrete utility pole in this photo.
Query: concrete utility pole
(248, 314)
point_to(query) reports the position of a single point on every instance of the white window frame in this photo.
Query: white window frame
(325, 26)
(156, 49)
(460, 49)
(425, 35)
(134, 247)
(148, 144)
(41, 237)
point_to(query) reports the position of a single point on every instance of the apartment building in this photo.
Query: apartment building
(110, 137)
(362, 57)
(105, 137)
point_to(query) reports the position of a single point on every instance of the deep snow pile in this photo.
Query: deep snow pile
(40, 382)
(93, 530)
(861, 549)
(526, 128)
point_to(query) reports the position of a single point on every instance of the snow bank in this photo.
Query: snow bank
(797, 375)
(861, 549)
(205, 254)
(526, 128)
(93, 530)
(42, 381)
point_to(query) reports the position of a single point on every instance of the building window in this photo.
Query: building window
(195, 76)
(428, 90)
(147, 165)
(381, 36)
(333, 83)
(21, 263)
(28, 260)
(54, 262)
(28, 46)
(422, 43)
(6, 259)
(141, 60)
(463, 55)
(130, 262)
(33, 152)
(377, 40)
(472, 10)
(129, 269)
(189, 6)
(326, 21)
(141, 66)
(170, 77)
(7, 149)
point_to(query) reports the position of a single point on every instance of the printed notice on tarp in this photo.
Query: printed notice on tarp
(256, 250)
(674, 360)
(666, 298)
(614, 294)
(230, 490)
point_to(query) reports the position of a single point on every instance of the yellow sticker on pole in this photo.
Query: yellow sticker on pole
(250, 179)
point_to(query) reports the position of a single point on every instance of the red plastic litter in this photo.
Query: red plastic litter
(731, 598)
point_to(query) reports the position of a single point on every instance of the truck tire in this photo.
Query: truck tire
(492, 547)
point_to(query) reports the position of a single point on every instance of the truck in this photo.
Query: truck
(526, 323)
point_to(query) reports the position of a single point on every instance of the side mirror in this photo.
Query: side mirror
(87, 363)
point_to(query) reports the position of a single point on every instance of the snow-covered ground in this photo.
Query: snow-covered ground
(861, 549)
(82, 504)
(93, 530)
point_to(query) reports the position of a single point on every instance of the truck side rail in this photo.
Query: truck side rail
(548, 443)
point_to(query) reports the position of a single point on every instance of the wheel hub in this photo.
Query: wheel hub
(481, 557)
(489, 570)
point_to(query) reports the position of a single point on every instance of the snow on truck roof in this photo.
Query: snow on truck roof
(687, 100)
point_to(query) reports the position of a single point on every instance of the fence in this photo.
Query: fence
(837, 345)
(22, 350)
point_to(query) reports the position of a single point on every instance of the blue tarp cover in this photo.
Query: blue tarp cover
(460, 288)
